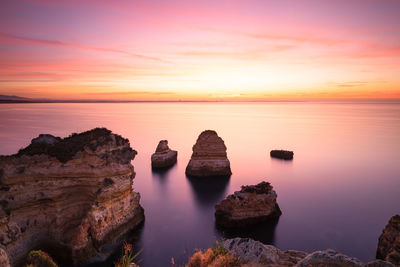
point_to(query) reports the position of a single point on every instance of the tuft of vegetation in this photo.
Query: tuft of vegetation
(127, 257)
(217, 256)
(38, 258)
(65, 149)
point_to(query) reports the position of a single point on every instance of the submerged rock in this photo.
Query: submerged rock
(209, 157)
(250, 205)
(389, 242)
(72, 195)
(164, 157)
(282, 154)
(255, 253)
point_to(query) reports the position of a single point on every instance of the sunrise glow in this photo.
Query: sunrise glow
(200, 50)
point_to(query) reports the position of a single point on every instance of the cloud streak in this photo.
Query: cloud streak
(77, 46)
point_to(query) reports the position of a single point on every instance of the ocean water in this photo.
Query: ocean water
(339, 191)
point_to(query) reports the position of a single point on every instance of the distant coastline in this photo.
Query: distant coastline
(6, 99)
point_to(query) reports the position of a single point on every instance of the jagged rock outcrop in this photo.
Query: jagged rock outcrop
(252, 204)
(209, 157)
(253, 253)
(282, 154)
(4, 261)
(389, 242)
(164, 157)
(72, 195)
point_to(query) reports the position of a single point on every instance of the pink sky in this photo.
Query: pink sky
(174, 50)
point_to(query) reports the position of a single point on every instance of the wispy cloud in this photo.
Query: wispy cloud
(77, 46)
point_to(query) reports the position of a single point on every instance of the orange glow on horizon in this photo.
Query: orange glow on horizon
(246, 50)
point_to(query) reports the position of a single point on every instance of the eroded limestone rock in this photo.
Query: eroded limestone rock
(389, 242)
(250, 205)
(164, 157)
(73, 194)
(209, 157)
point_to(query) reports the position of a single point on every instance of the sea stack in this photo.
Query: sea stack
(164, 157)
(389, 242)
(282, 154)
(209, 158)
(252, 204)
(72, 195)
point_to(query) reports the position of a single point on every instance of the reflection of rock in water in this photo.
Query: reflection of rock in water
(162, 174)
(208, 191)
(263, 232)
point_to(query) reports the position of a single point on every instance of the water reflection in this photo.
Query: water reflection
(208, 191)
(263, 232)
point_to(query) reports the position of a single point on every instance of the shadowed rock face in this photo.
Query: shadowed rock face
(282, 154)
(389, 242)
(250, 205)
(209, 157)
(254, 253)
(164, 157)
(73, 195)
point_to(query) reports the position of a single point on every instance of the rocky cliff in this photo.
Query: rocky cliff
(71, 195)
(209, 157)
(389, 242)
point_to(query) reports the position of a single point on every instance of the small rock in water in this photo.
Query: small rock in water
(164, 157)
(251, 205)
(282, 154)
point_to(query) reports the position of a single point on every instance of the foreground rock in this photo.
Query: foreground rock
(72, 195)
(389, 242)
(282, 154)
(250, 205)
(254, 253)
(164, 157)
(209, 157)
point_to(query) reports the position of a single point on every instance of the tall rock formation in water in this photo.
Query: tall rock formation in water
(164, 157)
(71, 195)
(389, 242)
(209, 157)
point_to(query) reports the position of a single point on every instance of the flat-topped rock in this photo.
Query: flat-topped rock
(73, 195)
(282, 154)
(209, 157)
(164, 157)
(251, 205)
(389, 242)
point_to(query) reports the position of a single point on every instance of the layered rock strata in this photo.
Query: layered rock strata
(282, 154)
(72, 195)
(254, 253)
(164, 157)
(389, 242)
(209, 157)
(252, 204)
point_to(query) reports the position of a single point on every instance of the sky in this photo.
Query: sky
(200, 50)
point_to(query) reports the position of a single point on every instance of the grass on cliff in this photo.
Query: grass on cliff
(65, 149)
(217, 256)
(38, 258)
(127, 257)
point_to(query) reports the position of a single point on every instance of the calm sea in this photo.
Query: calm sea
(339, 191)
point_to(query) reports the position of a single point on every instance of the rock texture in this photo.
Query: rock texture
(250, 205)
(4, 261)
(164, 157)
(209, 157)
(282, 154)
(254, 253)
(389, 242)
(72, 195)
